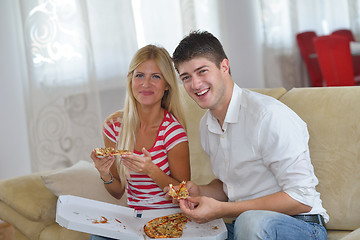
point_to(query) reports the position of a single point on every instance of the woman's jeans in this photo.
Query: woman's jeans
(259, 224)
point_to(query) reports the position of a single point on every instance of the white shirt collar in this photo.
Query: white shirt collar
(232, 114)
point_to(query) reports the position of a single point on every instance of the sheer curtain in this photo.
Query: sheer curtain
(61, 40)
(166, 22)
(283, 19)
(77, 52)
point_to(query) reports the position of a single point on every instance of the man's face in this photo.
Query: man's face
(203, 81)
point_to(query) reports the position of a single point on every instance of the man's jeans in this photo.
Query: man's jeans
(258, 224)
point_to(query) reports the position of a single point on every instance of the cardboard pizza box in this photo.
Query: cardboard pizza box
(109, 220)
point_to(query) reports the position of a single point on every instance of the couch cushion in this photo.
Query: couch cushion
(273, 92)
(28, 196)
(354, 235)
(201, 172)
(333, 118)
(337, 234)
(82, 179)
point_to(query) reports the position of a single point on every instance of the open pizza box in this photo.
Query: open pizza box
(109, 220)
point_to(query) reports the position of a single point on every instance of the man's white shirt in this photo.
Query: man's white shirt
(262, 148)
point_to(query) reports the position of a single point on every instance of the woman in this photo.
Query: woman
(151, 126)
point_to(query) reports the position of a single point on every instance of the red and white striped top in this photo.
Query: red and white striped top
(143, 192)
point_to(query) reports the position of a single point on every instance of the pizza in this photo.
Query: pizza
(170, 226)
(109, 151)
(180, 193)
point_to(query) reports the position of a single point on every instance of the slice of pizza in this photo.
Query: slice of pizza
(109, 151)
(172, 191)
(170, 226)
(180, 193)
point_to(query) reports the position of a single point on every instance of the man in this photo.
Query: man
(258, 148)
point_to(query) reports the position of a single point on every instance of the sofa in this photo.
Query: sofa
(333, 118)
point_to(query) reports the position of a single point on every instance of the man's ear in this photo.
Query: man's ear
(225, 65)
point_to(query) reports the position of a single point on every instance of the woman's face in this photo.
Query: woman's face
(148, 84)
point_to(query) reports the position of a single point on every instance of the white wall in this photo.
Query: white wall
(14, 160)
(241, 34)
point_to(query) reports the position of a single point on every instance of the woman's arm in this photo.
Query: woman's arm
(179, 164)
(116, 188)
(107, 165)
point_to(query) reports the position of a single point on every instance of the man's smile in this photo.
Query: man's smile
(202, 92)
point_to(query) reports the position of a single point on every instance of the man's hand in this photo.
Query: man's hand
(193, 189)
(201, 209)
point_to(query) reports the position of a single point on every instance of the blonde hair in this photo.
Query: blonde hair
(170, 101)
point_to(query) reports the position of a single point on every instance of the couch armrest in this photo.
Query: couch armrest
(24, 228)
(56, 232)
(354, 235)
(28, 196)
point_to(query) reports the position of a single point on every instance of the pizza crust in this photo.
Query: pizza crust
(109, 151)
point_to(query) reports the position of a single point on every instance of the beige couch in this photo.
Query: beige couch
(333, 118)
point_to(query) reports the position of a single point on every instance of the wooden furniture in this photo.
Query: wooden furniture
(6, 231)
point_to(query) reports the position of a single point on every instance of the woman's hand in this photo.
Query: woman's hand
(139, 164)
(103, 165)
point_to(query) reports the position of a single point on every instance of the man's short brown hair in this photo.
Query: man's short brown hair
(199, 44)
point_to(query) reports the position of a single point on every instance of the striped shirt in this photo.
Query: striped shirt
(143, 193)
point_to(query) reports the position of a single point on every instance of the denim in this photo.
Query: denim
(259, 224)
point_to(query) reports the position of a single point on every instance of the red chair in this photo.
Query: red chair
(306, 47)
(345, 32)
(335, 60)
(356, 59)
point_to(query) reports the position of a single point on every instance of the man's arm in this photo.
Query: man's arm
(214, 190)
(277, 202)
(208, 209)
